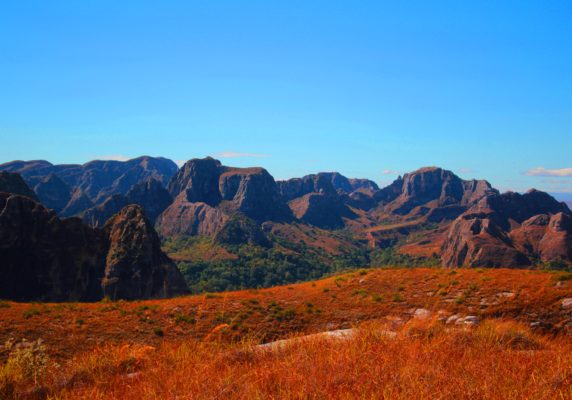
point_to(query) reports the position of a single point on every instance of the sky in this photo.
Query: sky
(368, 88)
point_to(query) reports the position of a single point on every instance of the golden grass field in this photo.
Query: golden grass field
(205, 346)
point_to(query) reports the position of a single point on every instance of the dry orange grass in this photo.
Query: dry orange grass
(269, 314)
(426, 360)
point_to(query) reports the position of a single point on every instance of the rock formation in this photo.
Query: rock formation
(96, 180)
(206, 194)
(46, 258)
(428, 188)
(136, 268)
(509, 230)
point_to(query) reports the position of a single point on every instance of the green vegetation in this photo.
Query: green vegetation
(253, 265)
(29, 313)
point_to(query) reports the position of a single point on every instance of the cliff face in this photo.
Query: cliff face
(509, 230)
(430, 188)
(136, 268)
(206, 194)
(45, 258)
(315, 183)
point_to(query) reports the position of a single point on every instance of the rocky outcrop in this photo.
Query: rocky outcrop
(509, 230)
(511, 207)
(53, 192)
(206, 194)
(322, 199)
(298, 187)
(362, 184)
(198, 178)
(323, 181)
(430, 188)
(136, 268)
(253, 192)
(477, 241)
(545, 238)
(13, 183)
(46, 258)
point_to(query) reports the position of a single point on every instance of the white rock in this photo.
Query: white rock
(452, 319)
(422, 313)
(468, 320)
(567, 303)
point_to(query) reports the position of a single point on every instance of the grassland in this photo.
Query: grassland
(204, 346)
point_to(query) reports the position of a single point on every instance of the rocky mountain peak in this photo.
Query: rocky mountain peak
(136, 267)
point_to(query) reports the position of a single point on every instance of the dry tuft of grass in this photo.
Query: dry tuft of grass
(425, 360)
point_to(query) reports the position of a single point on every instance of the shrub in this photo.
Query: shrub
(159, 332)
(29, 313)
(26, 361)
(359, 292)
(184, 318)
(398, 298)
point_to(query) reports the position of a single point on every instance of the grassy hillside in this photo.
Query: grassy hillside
(203, 344)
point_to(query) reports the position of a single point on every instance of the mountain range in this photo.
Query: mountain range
(93, 230)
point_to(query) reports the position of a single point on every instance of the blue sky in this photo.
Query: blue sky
(368, 88)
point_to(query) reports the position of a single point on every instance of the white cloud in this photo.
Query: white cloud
(464, 170)
(115, 157)
(235, 154)
(541, 171)
(557, 181)
(389, 172)
(180, 163)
